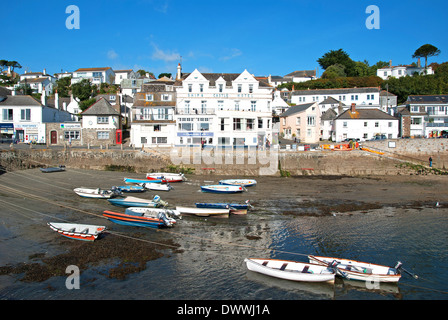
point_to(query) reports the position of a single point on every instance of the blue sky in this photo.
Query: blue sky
(265, 37)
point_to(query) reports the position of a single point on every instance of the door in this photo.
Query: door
(54, 137)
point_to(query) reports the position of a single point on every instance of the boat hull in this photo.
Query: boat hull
(238, 182)
(361, 271)
(126, 204)
(81, 232)
(131, 189)
(133, 220)
(157, 186)
(94, 193)
(166, 176)
(204, 212)
(222, 189)
(140, 181)
(235, 208)
(291, 270)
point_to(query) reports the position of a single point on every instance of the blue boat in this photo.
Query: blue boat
(138, 219)
(222, 188)
(138, 202)
(224, 205)
(131, 188)
(139, 181)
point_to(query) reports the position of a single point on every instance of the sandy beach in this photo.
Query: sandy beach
(31, 252)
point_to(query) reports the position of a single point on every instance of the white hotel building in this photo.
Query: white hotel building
(222, 109)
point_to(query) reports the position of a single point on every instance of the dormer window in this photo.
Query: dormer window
(149, 97)
(220, 87)
(112, 98)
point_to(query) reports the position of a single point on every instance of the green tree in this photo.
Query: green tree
(338, 57)
(3, 64)
(83, 90)
(168, 75)
(425, 51)
(13, 65)
(334, 71)
(63, 86)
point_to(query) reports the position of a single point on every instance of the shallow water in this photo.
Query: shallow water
(211, 265)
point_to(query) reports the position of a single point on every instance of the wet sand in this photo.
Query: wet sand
(31, 252)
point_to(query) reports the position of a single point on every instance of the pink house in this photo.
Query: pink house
(301, 122)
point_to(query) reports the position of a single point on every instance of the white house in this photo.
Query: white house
(223, 109)
(295, 76)
(121, 75)
(23, 118)
(368, 97)
(94, 75)
(38, 81)
(364, 124)
(402, 70)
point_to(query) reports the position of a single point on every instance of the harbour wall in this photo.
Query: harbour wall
(397, 154)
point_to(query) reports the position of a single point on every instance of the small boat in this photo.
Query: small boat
(239, 182)
(156, 202)
(204, 212)
(97, 193)
(140, 181)
(131, 188)
(140, 219)
(154, 211)
(53, 169)
(291, 270)
(218, 188)
(235, 208)
(167, 176)
(85, 232)
(356, 270)
(157, 186)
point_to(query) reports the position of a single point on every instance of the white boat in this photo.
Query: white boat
(85, 232)
(218, 188)
(239, 182)
(154, 212)
(157, 186)
(204, 212)
(356, 270)
(156, 202)
(167, 176)
(291, 270)
(97, 193)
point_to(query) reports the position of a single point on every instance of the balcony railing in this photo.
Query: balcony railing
(153, 117)
(194, 111)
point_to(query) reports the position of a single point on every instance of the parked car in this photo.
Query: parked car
(379, 137)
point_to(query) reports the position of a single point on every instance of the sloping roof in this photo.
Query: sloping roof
(436, 99)
(330, 114)
(296, 109)
(335, 91)
(92, 69)
(228, 77)
(366, 114)
(101, 107)
(330, 100)
(302, 73)
(20, 101)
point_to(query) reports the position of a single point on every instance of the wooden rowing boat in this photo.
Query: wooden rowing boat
(356, 270)
(291, 270)
(84, 232)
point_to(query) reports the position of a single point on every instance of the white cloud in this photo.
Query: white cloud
(166, 56)
(232, 53)
(112, 55)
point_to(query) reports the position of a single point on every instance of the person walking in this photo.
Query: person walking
(430, 162)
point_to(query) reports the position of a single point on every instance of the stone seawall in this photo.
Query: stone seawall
(236, 162)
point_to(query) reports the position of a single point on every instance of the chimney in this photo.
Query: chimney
(353, 108)
(419, 63)
(45, 72)
(179, 68)
(64, 106)
(390, 63)
(56, 99)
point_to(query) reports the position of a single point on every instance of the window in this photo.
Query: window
(25, 114)
(221, 105)
(311, 120)
(102, 120)
(390, 124)
(203, 107)
(236, 124)
(112, 98)
(237, 106)
(166, 97)
(365, 124)
(220, 87)
(159, 140)
(7, 115)
(251, 88)
(260, 123)
(298, 121)
(71, 135)
(414, 109)
(222, 124)
(157, 127)
(377, 124)
(253, 106)
(240, 87)
(250, 123)
(103, 135)
(190, 88)
(187, 126)
(344, 124)
(416, 120)
(149, 97)
(201, 88)
(203, 126)
(187, 107)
